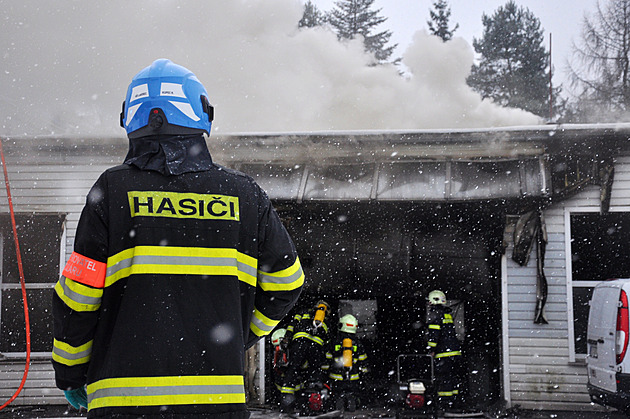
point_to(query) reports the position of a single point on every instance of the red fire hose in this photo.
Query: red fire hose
(22, 282)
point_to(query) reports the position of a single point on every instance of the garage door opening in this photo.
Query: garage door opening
(380, 260)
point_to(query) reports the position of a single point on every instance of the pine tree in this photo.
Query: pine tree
(513, 65)
(603, 81)
(440, 16)
(311, 17)
(350, 18)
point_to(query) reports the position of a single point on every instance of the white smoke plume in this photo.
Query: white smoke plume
(66, 66)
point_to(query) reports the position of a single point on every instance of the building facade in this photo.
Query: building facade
(517, 225)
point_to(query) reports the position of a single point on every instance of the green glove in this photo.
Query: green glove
(76, 397)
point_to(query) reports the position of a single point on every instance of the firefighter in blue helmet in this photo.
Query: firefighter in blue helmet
(345, 364)
(307, 335)
(443, 344)
(179, 266)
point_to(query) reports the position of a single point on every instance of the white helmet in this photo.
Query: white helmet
(348, 324)
(277, 336)
(436, 297)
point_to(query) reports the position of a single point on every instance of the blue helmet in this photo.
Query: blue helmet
(166, 98)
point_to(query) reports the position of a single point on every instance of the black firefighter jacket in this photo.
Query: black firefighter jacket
(340, 368)
(179, 265)
(442, 338)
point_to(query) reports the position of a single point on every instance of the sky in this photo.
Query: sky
(562, 18)
(66, 66)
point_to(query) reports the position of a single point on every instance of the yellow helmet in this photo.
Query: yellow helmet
(436, 297)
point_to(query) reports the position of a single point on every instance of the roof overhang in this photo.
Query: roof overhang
(512, 163)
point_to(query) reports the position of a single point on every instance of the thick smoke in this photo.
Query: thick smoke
(66, 66)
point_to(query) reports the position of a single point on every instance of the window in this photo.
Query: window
(599, 251)
(365, 313)
(41, 246)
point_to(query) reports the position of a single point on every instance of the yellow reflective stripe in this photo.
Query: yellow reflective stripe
(163, 391)
(434, 326)
(289, 390)
(262, 325)
(339, 377)
(445, 354)
(169, 260)
(362, 357)
(285, 280)
(71, 355)
(445, 393)
(77, 296)
(307, 336)
(433, 344)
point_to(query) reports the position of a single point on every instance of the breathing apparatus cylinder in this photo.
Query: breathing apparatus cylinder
(347, 352)
(320, 314)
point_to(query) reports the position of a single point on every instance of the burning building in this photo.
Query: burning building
(515, 225)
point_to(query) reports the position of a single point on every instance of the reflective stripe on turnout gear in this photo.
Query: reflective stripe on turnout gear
(339, 377)
(315, 339)
(169, 260)
(164, 391)
(448, 393)
(262, 325)
(173, 260)
(78, 296)
(445, 354)
(289, 389)
(71, 355)
(284, 280)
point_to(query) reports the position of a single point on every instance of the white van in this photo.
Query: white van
(608, 360)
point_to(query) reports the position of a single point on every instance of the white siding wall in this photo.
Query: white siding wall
(48, 180)
(541, 373)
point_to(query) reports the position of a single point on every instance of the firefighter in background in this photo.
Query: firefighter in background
(280, 357)
(345, 364)
(445, 348)
(306, 335)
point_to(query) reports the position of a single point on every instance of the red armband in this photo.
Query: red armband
(85, 270)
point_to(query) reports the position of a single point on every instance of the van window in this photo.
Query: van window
(599, 244)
